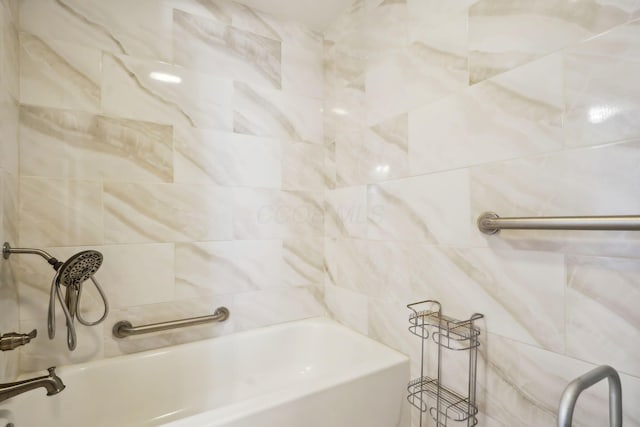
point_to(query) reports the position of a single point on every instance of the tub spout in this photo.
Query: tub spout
(52, 383)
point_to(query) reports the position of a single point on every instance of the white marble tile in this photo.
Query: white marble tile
(273, 113)
(225, 158)
(510, 33)
(9, 112)
(508, 116)
(163, 93)
(138, 212)
(262, 308)
(303, 260)
(302, 62)
(303, 166)
(43, 353)
(603, 324)
(73, 144)
(9, 219)
(144, 314)
(601, 87)
(9, 48)
(220, 268)
(60, 212)
(345, 212)
(142, 28)
(223, 50)
(349, 308)
(596, 181)
(431, 208)
(59, 74)
(273, 214)
(523, 386)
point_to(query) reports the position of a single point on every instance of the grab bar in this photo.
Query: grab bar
(491, 223)
(583, 382)
(124, 328)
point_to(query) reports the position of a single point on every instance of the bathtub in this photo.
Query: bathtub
(309, 373)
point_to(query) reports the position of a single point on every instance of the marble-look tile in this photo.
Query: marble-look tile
(217, 268)
(268, 112)
(139, 315)
(60, 212)
(9, 206)
(602, 93)
(163, 93)
(603, 323)
(303, 166)
(262, 308)
(330, 254)
(9, 48)
(596, 181)
(274, 214)
(509, 33)
(431, 208)
(508, 116)
(59, 74)
(142, 29)
(345, 212)
(43, 353)
(137, 212)
(303, 260)
(9, 112)
(349, 308)
(302, 62)
(522, 386)
(211, 46)
(61, 143)
(225, 158)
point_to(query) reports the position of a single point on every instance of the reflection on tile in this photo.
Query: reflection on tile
(218, 268)
(155, 91)
(266, 112)
(262, 308)
(225, 158)
(59, 143)
(603, 323)
(505, 35)
(163, 312)
(166, 212)
(144, 30)
(302, 260)
(226, 51)
(432, 208)
(348, 308)
(303, 166)
(602, 94)
(509, 116)
(59, 212)
(59, 74)
(600, 181)
(273, 214)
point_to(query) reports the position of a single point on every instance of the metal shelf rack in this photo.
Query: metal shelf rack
(428, 393)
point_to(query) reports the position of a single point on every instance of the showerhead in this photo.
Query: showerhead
(79, 267)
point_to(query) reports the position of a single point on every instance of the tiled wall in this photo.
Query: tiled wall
(203, 188)
(436, 111)
(8, 175)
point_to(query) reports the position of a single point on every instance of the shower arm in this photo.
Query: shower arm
(7, 250)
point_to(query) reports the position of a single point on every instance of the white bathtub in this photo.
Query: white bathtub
(310, 373)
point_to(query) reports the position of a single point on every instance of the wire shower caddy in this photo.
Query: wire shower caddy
(428, 393)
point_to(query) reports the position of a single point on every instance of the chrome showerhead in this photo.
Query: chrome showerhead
(79, 267)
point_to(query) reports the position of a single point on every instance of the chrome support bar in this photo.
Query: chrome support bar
(491, 223)
(583, 382)
(124, 328)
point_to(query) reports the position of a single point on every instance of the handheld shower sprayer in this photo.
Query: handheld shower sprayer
(71, 274)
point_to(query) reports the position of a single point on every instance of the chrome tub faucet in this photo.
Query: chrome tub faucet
(52, 383)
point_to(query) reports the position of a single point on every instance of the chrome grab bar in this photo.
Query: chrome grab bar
(124, 328)
(583, 382)
(491, 223)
